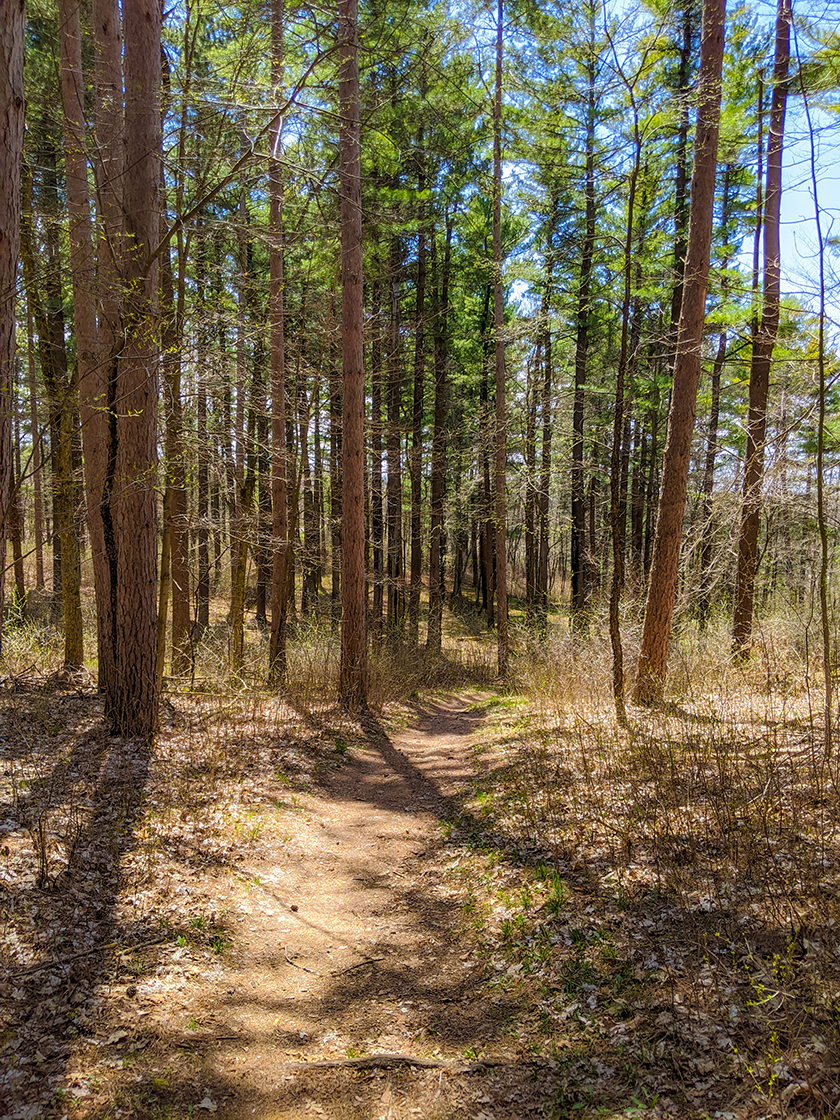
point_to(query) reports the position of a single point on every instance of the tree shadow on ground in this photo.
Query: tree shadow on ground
(72, 798)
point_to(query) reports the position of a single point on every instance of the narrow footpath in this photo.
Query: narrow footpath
(350, 984)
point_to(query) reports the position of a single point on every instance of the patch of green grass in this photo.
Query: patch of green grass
(218, 942)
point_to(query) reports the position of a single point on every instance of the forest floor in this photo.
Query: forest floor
(284, 913)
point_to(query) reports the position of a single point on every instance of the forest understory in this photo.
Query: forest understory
(477, 902)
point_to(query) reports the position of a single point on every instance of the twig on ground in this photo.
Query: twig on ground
(302, 967)
(359, 964)
(112, 945)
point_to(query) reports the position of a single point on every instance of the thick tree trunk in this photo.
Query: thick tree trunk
(500, 473)
(281, 544)
(764, 341)
(132, 462)
(90, 370)
(353, 668)
(662, 589)
(107, 156)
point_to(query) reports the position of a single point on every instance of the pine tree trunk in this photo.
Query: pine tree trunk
(662, 589)
(281, 544)
(764, 341)
(416, 457)
(35, 462)
(353, 668)
(579, 562)
(377, 522)
(500, 473)
(11, 156)
(395, 606)
(107, 156)
(131, 477)
(438, 482)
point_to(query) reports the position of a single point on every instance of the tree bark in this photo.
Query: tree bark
(281, 545)
(416, 457)
(500, 473)
(435, 628)
(395, 606)
(353, 667)
(764, 342)
(132, 460)
(11, 156)
(580, 564)
(662, 588)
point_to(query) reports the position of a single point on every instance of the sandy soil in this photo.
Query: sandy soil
(340, 939)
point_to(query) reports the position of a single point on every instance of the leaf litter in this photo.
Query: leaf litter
(601, 925)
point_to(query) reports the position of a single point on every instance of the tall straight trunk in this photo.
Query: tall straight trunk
(416, 457)
(662, 588)
(202, 493)
(11, 157)
(377, 522)
(108, 158)
(764, 342)
(130, 485)
(705, 548)
(281, 545)
(90, 370)
(546, 422)
(681, 196)
(580, 564)
(651, 483)
(530, 456)
(500, 473)
(486, 499)
(36, 459)
(395, 607)
(171, 360)
(353, 668)
(336, 488)
(262, 544)
(239, 534)
(312, 509)
(182, 651)
(435, 628)
(618, 485)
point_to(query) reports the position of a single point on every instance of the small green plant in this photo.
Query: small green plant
(218, 942)
(558, 895)
(340, 747)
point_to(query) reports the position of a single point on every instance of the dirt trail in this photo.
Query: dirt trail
(347, 940)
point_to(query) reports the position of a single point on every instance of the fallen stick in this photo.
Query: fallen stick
(302, 967)
(115, 945)
(359, 964)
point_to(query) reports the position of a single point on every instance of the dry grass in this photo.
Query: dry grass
(703, 842)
